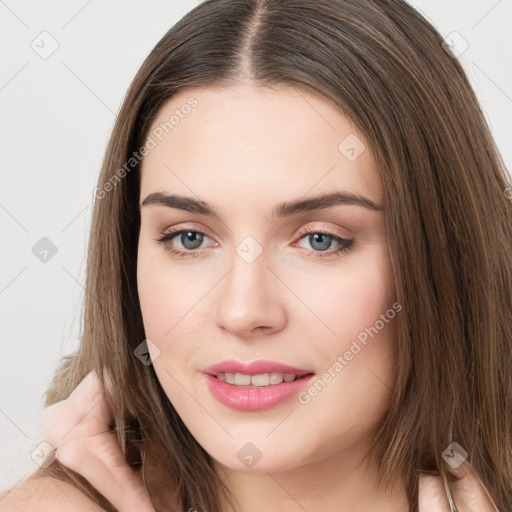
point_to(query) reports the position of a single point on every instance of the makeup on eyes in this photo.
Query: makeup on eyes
(312, 234)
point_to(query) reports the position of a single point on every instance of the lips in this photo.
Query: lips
(255, 386)
(254, 368)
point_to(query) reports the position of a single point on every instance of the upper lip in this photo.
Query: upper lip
(254, 368)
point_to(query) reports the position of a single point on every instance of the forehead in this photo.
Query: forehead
(285, 141)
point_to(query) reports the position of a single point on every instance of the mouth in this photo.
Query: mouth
(261, 371)
(255, 386)
(260, 380)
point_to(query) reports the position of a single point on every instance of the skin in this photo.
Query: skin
(78, 427)
(244, 150)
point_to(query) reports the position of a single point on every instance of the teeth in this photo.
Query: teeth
(261, 380)
(242, 380)
(276, 378)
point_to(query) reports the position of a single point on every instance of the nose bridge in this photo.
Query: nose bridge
(249, 296)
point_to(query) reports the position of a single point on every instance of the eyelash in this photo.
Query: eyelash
(345, 244)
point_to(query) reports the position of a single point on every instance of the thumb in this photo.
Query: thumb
(468, 491)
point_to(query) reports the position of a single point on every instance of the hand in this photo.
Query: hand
(78, 427)
(468, 493)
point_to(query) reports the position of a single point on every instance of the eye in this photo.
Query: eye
(192, 239)
(322, 240)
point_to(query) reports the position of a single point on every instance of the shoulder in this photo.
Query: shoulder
(45, 494)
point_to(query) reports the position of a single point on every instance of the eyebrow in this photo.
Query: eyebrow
(282, 210)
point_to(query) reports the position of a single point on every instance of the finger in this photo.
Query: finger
(91, 389)
(89, 384)
(64, 414)
(468, 492)
(432, 494)
(59, 423)
(88, 402)
(84, 413)
(100, 460)
(109, 385)
(111, 388)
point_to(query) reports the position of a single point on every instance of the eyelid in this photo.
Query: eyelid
(183, 227)
(320, 226)
(345, 244)
(311, 227)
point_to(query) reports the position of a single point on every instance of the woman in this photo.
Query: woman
(299, 274)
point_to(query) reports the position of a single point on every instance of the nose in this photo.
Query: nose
(250, 303)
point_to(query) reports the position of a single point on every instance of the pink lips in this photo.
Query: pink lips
(255, 368)
(252, 398)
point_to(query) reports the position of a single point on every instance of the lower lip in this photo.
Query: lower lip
(254, 398)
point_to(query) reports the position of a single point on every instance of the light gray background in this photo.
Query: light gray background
(56, 115)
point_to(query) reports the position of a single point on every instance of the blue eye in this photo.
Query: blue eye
(191, 240)
(323, 241)
(187, 236)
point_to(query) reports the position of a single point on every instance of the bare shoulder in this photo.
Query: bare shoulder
(45, 494)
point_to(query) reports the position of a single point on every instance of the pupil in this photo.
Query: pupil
(323, 246)
(191, 236)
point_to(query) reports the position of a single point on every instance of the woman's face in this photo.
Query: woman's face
(271, 274)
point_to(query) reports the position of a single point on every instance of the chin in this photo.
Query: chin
(262, 455)
(272, 464)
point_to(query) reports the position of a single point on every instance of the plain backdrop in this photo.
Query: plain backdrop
(56, 114)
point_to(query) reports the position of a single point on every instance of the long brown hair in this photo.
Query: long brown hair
(448, 219)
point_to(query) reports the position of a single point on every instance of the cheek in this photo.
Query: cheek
(169, 299)
(166, 292)
(352, 301)
(357, 349)
(153, 298)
